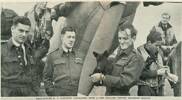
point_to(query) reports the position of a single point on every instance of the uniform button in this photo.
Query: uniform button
(19, 56)
(21, 64)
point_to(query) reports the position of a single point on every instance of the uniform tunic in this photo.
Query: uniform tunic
(127, 68)
(62, 73)
(18, 76)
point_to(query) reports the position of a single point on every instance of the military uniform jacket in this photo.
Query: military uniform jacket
(168, 34)
(13, 72)
(127, 67)
(62, 71)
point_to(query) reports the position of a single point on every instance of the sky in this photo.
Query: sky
(145, 17)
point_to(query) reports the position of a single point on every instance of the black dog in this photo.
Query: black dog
(104, 66)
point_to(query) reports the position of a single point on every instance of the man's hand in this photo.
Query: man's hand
(161, 71)
(97, 77)
(172, 77)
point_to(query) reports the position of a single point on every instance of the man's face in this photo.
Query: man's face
(125, 39)
(165, 19)
(20, 32)
(68, 39)
(157, 43)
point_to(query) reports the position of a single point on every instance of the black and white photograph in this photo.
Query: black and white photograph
(81, 49)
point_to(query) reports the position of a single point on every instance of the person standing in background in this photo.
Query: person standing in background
(168, 35)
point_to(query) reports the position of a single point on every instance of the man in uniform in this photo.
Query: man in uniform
(18, 69)
(63, 67)
(151, 80)
(127, 65)
(168, 35)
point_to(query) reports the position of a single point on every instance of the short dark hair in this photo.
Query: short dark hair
(21, 19)
(130, 27)
(65, 29)
(166, 14)
(154, 36)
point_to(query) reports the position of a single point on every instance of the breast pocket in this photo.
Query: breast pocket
(77, 67)
(11, 65)
(119, 67)
(60, 67)
(10, 59)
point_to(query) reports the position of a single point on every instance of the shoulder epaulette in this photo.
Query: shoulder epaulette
(52, 50)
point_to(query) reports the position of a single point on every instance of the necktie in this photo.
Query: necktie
(21, 56)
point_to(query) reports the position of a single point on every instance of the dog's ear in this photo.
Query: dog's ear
(95, 54)
(106, 53)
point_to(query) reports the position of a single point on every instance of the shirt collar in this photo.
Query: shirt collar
(127, 51)
(11, 44)
(15, 43)
(168, 25)
(66, 50)
(62, 50)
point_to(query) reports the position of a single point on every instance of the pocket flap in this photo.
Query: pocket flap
(121, 62)
(12, 59)
(59, 61)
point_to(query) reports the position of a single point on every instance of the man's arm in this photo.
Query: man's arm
(130, 74)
